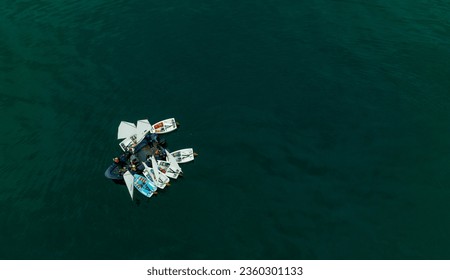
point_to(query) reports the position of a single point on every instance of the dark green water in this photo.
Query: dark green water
(323, 128)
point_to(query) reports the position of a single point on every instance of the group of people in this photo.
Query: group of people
(129, 161)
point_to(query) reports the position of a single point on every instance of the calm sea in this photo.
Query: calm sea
(322, 127)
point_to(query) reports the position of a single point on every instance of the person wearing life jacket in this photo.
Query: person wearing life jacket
(160, 155)
(119, 162)
(134, 160)
(148, 161)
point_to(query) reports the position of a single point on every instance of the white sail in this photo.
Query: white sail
(160, 181)
(143, 127)
(129, 179)
(156, 170)
(173, 162)
(125, 130)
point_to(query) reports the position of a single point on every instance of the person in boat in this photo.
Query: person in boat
(163, 154)
(160, 155)
(148, 160)
(125, 156)
(133, 169)
(134, 160)
(152, 138)
(119, 162)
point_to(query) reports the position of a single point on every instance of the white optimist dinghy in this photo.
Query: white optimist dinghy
(143, 147)
(166, 169)
(184, 155)
(165, 126)
(139, 182)
(160, 180)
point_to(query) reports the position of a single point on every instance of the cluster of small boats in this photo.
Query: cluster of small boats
(145, 164)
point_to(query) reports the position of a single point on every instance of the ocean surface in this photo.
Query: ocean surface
(322, 127)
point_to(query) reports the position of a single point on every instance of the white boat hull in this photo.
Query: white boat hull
(165, 126)
(161, 182)
(160, 179)
(184, 155)
(165, 168)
